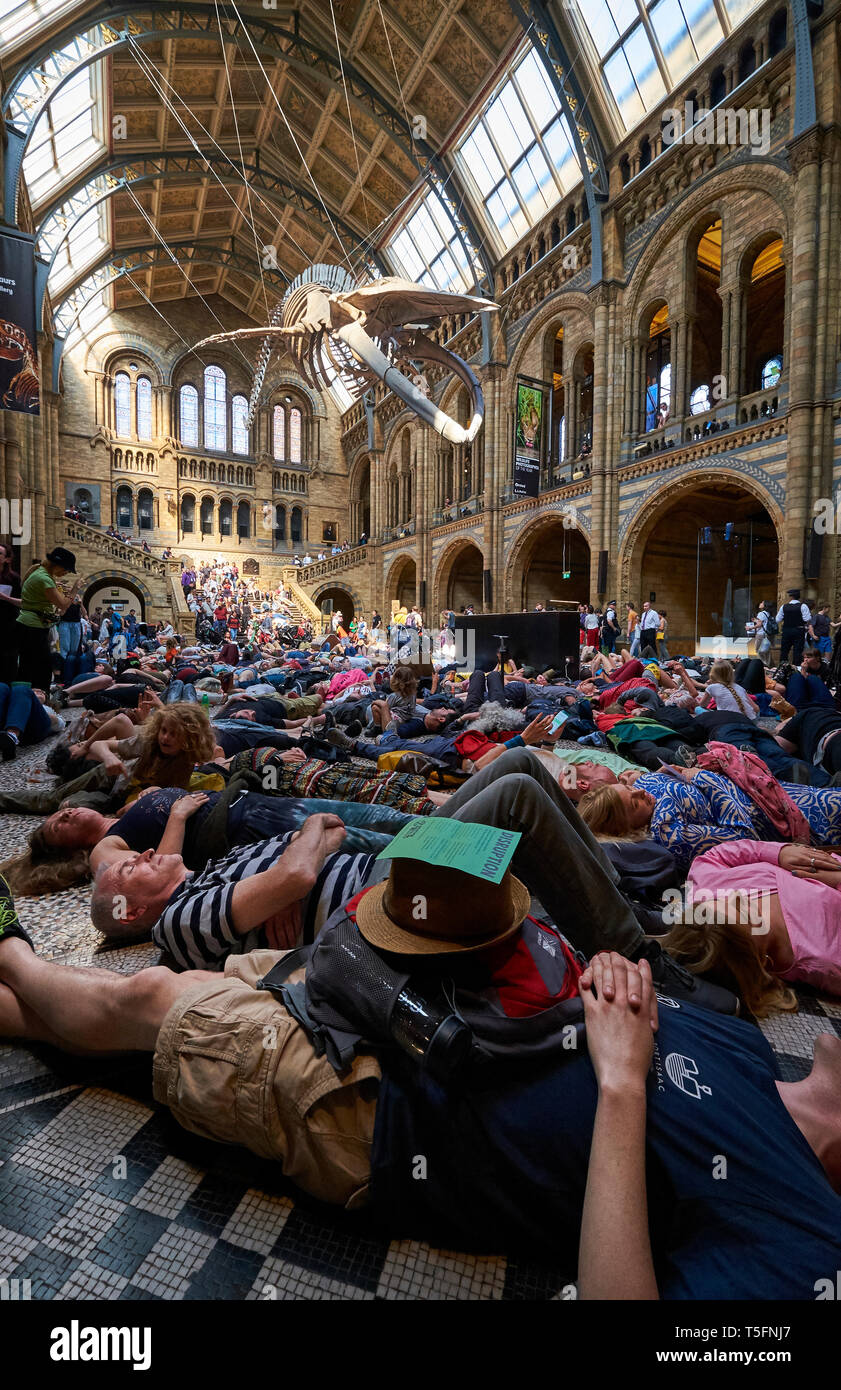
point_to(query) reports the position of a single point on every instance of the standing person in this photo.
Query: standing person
(649, 626)
(758, 629)
(591, 628)
(820, 630)
(610, 628)
(9, 609)
(795, 620)
(631, 634)
(118, 637)
(661, 648)
(70, 640)
(40, 601)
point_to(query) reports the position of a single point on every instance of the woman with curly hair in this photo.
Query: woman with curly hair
(166, 748)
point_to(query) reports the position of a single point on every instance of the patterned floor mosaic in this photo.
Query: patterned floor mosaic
(103, 1196)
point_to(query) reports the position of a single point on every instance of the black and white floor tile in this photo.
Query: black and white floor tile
(103, 1196)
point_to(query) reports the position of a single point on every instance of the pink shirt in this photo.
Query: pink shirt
(811, 911)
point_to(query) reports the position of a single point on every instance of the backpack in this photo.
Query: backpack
(772, 627)
(347, 1000)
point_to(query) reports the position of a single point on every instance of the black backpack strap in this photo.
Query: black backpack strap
(339, 1045)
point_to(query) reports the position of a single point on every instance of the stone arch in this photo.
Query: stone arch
(103, 578)
(558, 306)
(699, 202)
(712, 486)
(538, 552)
(453, 578)
(401, 582)
(344, 597)
(105, 348)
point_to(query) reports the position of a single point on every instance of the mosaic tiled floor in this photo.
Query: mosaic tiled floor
(103, 1196)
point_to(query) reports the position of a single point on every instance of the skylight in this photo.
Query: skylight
(645, 48)
(85, 243)
(520, 155)
(68, 135)
(428, 249)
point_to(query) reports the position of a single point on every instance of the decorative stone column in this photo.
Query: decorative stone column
(804, 154)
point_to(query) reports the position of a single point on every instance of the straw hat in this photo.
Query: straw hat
(425, 910)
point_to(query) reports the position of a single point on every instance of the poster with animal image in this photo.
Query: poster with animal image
(527, 444)
(19, 381)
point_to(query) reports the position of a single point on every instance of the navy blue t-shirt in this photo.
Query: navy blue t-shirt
(507, 1155)
(144, 823)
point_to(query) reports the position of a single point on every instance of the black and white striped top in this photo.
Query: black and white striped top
(195, 926)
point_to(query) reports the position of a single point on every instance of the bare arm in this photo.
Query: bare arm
(290, 878)
(615, 1260)
(172, 840)
(61, 600)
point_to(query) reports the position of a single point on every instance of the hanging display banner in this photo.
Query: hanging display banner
(19, 381)
(528, 440)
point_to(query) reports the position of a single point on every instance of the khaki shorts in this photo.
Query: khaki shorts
(234, 1066)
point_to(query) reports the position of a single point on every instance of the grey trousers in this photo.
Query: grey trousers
(558, 858)
(93, 789)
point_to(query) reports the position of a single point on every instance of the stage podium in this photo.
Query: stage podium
(541, 640)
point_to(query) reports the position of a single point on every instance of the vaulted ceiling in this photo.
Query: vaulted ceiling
(327, 176)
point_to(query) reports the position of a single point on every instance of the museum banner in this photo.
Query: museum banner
(528, 439)
(19, 380)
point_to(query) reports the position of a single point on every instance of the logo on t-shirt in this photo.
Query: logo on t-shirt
(682, 1071)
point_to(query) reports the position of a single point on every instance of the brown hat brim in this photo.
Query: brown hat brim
(377, 927)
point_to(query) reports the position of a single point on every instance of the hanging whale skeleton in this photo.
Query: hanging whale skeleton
(365, 334)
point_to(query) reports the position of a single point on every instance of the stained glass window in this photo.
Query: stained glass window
(239, 430)
(294, 436)
(215, 431)
(189, 415)
(122, 404)
(144, 408)
(279, 433)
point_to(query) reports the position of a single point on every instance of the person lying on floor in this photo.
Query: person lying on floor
(25, 718)
(691, 810)
(70, 845)
(256, 895)
(163, 751)
(776, 917)
(599, 1153)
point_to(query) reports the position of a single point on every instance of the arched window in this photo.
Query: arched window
(124, 508)
(705, 366)
(765, 309)
(243, 520)
(294, 435)
(700, 400)
(215, 432)
(280, 523)
(771, 372)
(296, 525)
(658, 371)
(188, 513)
(206, 516)
(279, 433)
(226, 509)
(188, 410)
(145, 509)
(122, 404)
(239, 431)
(144, 408)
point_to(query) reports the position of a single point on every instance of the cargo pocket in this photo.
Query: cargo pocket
(218, 1090)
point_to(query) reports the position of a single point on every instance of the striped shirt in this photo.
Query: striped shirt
(195, 927)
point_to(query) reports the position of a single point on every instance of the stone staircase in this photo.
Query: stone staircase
(100, 557)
